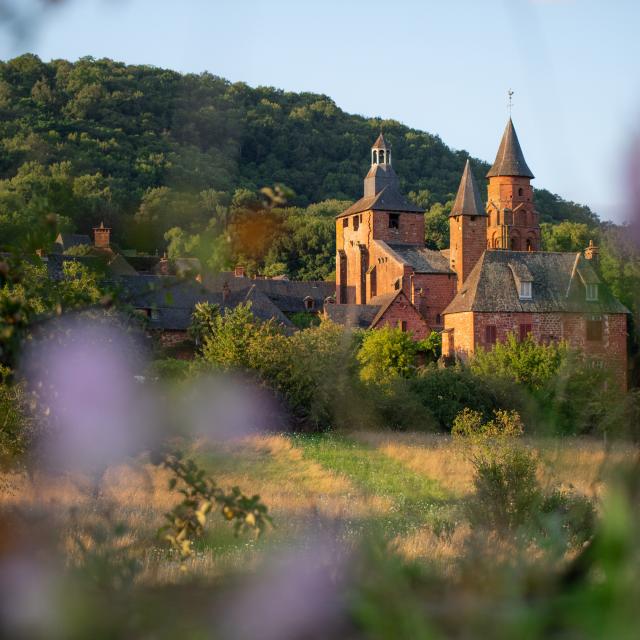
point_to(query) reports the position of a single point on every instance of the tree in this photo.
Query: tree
(386, 354)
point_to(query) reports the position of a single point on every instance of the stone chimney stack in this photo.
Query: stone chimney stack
(102, 236)
(226, 290)
(163, 266)
(592, 252)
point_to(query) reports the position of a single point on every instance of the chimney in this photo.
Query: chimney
(225, 292)
(592, 252)
(101, 236)
(239, 271)
(163, 266)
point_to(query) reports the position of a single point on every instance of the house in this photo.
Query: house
(492, 280)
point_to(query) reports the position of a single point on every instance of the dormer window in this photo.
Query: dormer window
(525, 290)
(592, 292)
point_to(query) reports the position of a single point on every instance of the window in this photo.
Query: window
(525, 330)
(394, 221)
(402, 325)
(520, 191)
(514, 244)
(490, 334)
(529, 245)
(375, 157)
(356, 223)
(438, 319)
(308, 303)
(345, 222)
(525, 290)
(592, 292)
(594, 328)
(381, 156)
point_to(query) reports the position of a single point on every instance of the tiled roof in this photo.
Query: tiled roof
(423, 260)
(557, 284)
(381, 143)
(67, 240)
(173, 299)
(468, 201)
(388, 199)
(354, 316)
(287, 295)
(510, 159)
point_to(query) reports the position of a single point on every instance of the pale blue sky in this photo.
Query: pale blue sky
(441, 66)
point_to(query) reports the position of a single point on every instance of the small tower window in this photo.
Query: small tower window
(394, 221)
(381, 156)
(375, 157)
(520, 191)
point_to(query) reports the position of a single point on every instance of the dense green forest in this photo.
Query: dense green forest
(97, 139)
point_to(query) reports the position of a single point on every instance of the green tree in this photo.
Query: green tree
(386, 354)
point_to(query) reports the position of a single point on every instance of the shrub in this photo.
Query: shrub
(525, 362)
(445, 392)
(203, 321)
(16, 426)
(386, 354)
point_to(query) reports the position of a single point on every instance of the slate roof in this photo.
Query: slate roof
(558, 281)
(65, 241)
(468, 201)
(381, 143)
(423, 260)
(173, 300)
(510, 159)
(388, 199)
(353, 316)
(287, 295)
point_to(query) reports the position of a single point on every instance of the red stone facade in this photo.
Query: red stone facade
(467, 242)
(403, 315)
(513, 221)
(466, 332)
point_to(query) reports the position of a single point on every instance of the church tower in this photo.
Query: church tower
(513, 221)
(467, 227)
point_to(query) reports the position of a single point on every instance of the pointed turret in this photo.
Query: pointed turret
(381, 143)
(510, 159)
(468, 201)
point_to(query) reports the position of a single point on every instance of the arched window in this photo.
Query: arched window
(309, 303)
(514, 244)
(381, 156)
(529, 245)
(375, 157)
(520, 191)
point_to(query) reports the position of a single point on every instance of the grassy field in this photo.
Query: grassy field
(406, 486)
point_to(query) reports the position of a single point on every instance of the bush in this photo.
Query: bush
(16, 426)
(386, 354)
(445, 392)
(525, 362)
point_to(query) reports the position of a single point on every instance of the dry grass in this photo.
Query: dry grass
(299, 491)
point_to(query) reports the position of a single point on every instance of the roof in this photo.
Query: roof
(67, 240)
(381, 143)
(556, 285)
(468, 201)
(353, 316)
(388, 199)
(510, 159)
(287, 295)
(173, 299)
(422, 260)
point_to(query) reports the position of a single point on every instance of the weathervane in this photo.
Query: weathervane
(510, 94)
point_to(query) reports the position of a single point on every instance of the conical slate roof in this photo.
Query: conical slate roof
(381, 143)
(510, 159)
(468, 201)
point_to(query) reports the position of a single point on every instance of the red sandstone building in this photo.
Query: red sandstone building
(493, 280)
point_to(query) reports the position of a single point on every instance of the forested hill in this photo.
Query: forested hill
(89, 139)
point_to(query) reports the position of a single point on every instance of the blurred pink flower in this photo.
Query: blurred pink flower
(95, 413)
(230, 407)
(297, 595)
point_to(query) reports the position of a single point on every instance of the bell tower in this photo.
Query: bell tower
(513, 222)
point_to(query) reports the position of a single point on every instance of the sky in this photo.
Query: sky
(442, 66)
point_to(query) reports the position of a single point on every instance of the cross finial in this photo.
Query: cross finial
(510, 94)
